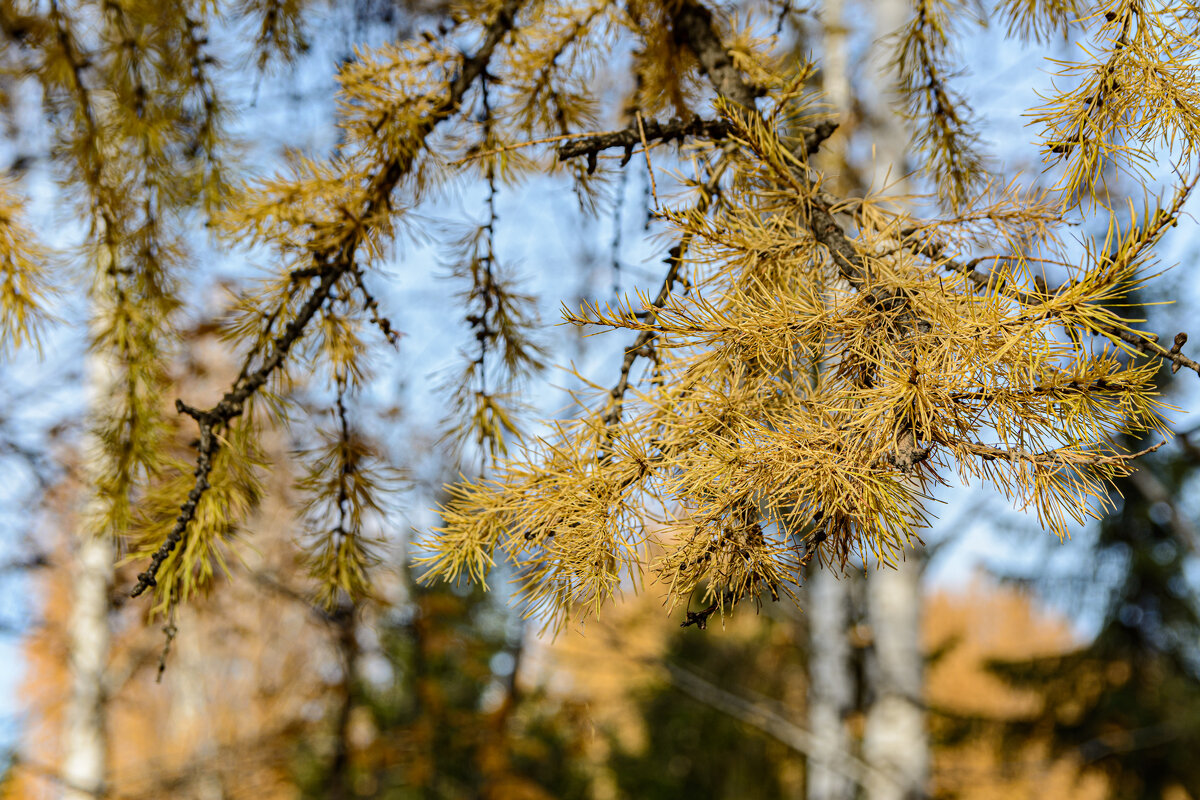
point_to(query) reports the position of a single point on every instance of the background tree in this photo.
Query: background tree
(451, 720)
(1126, 702)
(728, 759)
(653, 688)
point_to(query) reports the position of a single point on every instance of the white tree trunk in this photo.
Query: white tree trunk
(894, 740)
(85, 744)
(831, 682)
(85, 734)
(189, 701)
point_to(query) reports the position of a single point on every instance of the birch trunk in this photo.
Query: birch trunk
(831, 682)
(189, 701)
(894, 739)
(85, 734)
(831, 677)
(85, 741)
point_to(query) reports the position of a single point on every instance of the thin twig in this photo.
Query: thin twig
(675, 260)
(1060, 456)
(646, 152)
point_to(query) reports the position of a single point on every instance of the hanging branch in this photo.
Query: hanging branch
(331, 264)
(944, 124)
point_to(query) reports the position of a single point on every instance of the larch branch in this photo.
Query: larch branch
(331, 263)
(630, 137)
(1061, 456)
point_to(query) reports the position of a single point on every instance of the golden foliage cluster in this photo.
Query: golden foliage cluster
(813, 365)
(25, 285)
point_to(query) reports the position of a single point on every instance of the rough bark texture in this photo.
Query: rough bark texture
(695, 27)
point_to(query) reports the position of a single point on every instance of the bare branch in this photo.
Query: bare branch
(759, 715)
(655, 131)
(1059, 456)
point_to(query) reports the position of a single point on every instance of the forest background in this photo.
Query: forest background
(447, 693)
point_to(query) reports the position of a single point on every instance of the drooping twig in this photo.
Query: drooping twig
(332, 264)
(170, 631)
(675, 259)
(371, 306)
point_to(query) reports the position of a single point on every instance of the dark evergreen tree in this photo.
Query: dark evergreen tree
(1128, 703)
(693, 749)
(450, 720)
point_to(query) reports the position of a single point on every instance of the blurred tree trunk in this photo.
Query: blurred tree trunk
(338, 781)
(831, 680)
(85, 740)
(85, 732)
(894, 738)
(831, 688)
(190, 702)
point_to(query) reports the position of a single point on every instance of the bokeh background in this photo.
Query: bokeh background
(1052, 669)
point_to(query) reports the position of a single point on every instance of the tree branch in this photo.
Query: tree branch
(712, 129)
(1058, 456)
(629, 137)
(759, 716)
(693, 26)
(331, 264)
